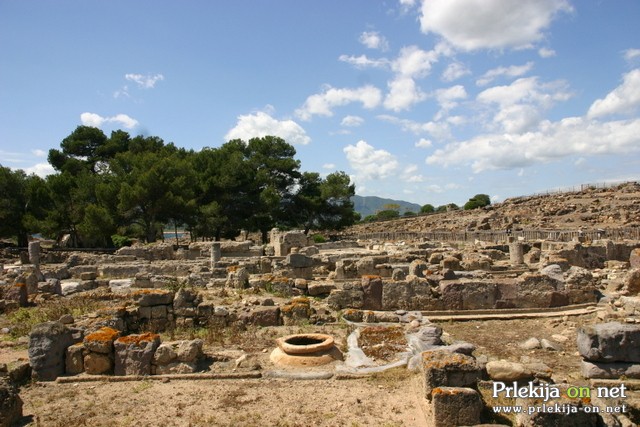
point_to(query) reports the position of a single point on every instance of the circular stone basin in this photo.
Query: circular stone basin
(305, 350)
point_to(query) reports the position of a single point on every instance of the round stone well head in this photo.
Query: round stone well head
(302, 350)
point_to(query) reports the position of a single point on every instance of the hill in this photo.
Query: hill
(588, 208)
(369, 205)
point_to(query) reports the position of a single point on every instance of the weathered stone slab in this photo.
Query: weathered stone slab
(446, 369)
(48, 343)
(372, 289)
(133, 354)
(610, 342)
(455, 406)
(610, 370)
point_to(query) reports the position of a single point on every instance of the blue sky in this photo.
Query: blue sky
(429, 101)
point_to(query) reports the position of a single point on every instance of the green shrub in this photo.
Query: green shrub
(120, 241)
(318, 238)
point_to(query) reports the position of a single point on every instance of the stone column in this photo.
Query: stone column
(34, 253)
(516, 253)
(216, 254)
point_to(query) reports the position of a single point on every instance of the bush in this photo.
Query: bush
(120, 241)
(477, 201)
(318, 238)
(427, 209)
(388, 214)
(409, 213)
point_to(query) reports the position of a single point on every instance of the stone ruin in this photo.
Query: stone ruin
(292, 281)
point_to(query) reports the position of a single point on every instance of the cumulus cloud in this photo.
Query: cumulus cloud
(624, 99)
(409, 174)
(40, 169)
(143, 81)
(369, 163)
(440, 130)
(322, 104)
(552, 140)
(96, 120)
(352, 121)
(414, 62)
(363, 61)
(403, 93)
(512, 71)
(329, 166)
(374, 40)
(454, 71)
(262, 124)
(490, 24)
(39, 153)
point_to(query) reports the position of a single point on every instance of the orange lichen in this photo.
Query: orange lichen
(150, 292)
(371, 276)
(103, 334)
(137, 339)
(232, 268)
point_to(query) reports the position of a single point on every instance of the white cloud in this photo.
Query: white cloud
(414, 62)
(363, 61)
(144, 81)
(439, 130)
(373, 40)
(423, 143)
(322, 103)
(40, 169)
(262, 124)
(512, 71)
(631, 54)
(352, 121)
(369, 163)
(448, 98)
(403, 93)
(39, 153)
(490, 24)
(552, 140)
(329, 166)
(409, 174)
(624, 99)
(96, 120)
(454, 71)
(545, 52)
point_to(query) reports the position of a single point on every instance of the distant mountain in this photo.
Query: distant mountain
(369, 205)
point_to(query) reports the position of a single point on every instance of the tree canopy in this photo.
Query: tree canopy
(136, 186)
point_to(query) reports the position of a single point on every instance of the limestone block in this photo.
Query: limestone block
(17, 293)
(372, 293)
(152, 297)
(320, 288)
(455, 406)
(503, 370)
(74, 362)
(299, 261)
(97, 364)
(446, 369)
(120, 286)
(101, 341)
(418, 267)
(345, 298)
(189, 351)
(263, 316)
(610, 342)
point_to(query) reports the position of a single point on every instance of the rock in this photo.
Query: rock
(98, 364)
(133, 354)
(74, 361)
(418, 268)
(398, 274)
(550, 345)
(455, 406)
(51, 286)
(299, 261)
(632, 282)
(17, 293)
(153, 297)
(120, 286)
(101, 341)
(634, 258)
(66, 319)
(189, 351)
(345, 298)
(610, 370)
(164, 354)
(238, 279)
(610, 342)
(10, 404)
(530, 344)
(445, 369)
(175, 368)
(322, 288)
(505, 371)
(263, 316)
(48, 343)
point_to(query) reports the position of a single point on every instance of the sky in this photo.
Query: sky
(428, 101)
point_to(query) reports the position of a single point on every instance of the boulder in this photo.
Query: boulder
(175, 368)
(610, 370)
(164, 354)
(263, 316)
(98, 364)
(48, 343)
(17, 293)
(238, 278)
(610, 342)
(133, 354)
(189, 351)
(74, 361)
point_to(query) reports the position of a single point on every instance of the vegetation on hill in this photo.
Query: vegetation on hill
(135, 186)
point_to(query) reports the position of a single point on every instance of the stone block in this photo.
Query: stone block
(98, 364)
(164, 354)
(264, 316)
(10, 404)
(17, 293)
(189, 351)
(610, 342)
(610, 370)
(455, 406)
(159, 312)
(299, 261)
(133, 354)
(74, 361)
(48, 343)
(446, 369)
(322, 288)
(101, 341)
(372, 293)
(120, 286)
(152, 297)
(345, 298)
(505, 371)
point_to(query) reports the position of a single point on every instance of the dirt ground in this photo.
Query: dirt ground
(393, 398)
